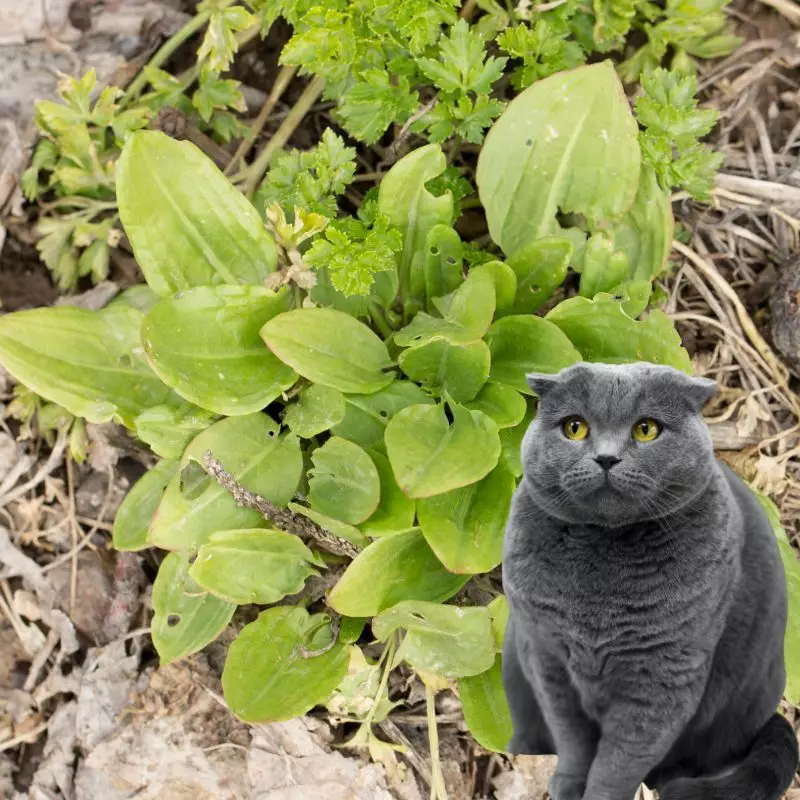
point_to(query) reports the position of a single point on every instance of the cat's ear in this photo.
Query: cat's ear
(542, 382)
(698, 390)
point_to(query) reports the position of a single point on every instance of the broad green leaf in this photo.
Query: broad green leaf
(140, 297)
(318, 409)
(167, 430)
(205, 344)
(393, 568)
(270, 674)
(344, 482)
(366, 416)
(194, 505)
(430, 456)
(185, 618)
(499, 611)
(395, 511)
(602, 331)
(351, 628)
(449, 641)
(511, 441)
(468, 317)
(403, 198)
(187, 223)
(634, 296)
(523, 344)
(331, 348)
(89, 362)
(566, 144)
(140, 504)
(540, 267)
(505, 285)
(443, 259)
(645, 233)
(253, 565)
(465, 527)
(791, 566)
(485, 707)
(341, 529)
(457, 370)
(506, 406)
(603, 267)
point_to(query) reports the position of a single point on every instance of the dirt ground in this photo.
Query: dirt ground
(84, 711)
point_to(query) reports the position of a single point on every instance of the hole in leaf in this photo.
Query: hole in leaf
(125, 360)
(383, 414)
(618, 297)
(194, 481)
(528, 142)
(417, 337)
(434, 251)
(173, 620)
(535, 289)
(271, 434)
(451, 260)
(449, 414)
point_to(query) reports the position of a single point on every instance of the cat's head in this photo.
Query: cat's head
(615, 444)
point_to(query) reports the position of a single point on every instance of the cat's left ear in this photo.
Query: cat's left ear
(542, 382)
(698, 390)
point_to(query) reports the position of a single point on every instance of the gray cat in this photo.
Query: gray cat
(648, 599)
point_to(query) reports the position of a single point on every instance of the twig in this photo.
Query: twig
(278, 88)
(789, 9)
(51, 463)
(286, 520)
(23, 738)
(74, 527)
(414, 758)
(394, 147)
(766, 190)
(438, 790)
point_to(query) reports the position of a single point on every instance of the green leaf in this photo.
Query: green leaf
(393, 568)
(469, 313)
(366, 416)
(341, 529)
(140, 504)
(343, 482)
(204, 343)
(523, 344)
(465, 527)
(442, 264)
(485, 707)
(634, 296)
(567, 144)
(411, 207)
(430, 456)
(791, 566)
(446, 640)
(511, 441)
(187, 223)
(167, 430)
(194, 505)
(603, 268)
(505, 285)
(253, 565)
(457, 370)
(503, 404)
(331, 348)
(499, 611)
(267, 676)
(89, 362)
(645, 233)
(602, 331)
(317, 409)
(395, 511)
(540, 267)
(185, 618)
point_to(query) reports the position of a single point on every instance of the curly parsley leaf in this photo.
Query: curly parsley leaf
(462, 117)
(219, 44)
(545, 47)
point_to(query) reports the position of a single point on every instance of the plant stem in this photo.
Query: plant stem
(438, 790)
(455, 148)
(387, 657)
(381, 323)
(278, 88)
(255, 172)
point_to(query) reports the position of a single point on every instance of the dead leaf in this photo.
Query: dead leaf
(527, 781)
(770, 476)
(751, 412)
(93, 592)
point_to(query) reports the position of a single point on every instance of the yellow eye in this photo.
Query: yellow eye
(576, 429)
(645, 430)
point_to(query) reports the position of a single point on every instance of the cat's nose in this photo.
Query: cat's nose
(606, 462)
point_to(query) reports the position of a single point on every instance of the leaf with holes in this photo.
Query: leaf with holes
(318, 409)
(331, 348)
(343, 483)
(185, 618)
(449, 641)
(272, 672)
(465, 527)
(393, 568)
(395, 511)
(253, 565)
(189, 226)
(367, 415)
(443, 257)
(136, 512)
(569, 144)
(540, 267)
(205, 344)
(194, 505)
(452, 369)
(523, 344)
(430, 456)
(602, 331)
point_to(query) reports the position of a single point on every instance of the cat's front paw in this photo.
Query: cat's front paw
(566, 787)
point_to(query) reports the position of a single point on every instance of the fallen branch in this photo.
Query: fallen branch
(286, 520)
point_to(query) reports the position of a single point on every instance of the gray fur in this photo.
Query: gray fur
(648, 602)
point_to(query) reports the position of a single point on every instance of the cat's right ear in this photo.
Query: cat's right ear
(542, 382)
